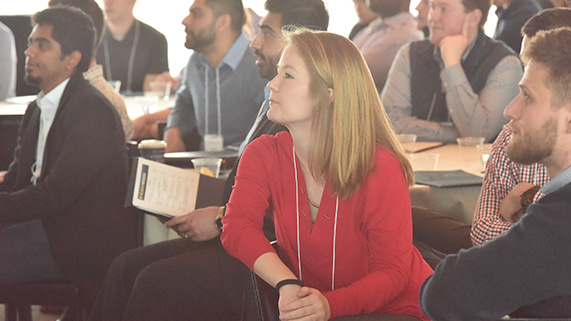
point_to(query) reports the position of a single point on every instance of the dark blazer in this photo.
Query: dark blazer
(80, 193)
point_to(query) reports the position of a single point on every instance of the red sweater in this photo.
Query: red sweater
(377, 269)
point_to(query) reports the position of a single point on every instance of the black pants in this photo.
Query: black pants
(442, 233)
(175, 280)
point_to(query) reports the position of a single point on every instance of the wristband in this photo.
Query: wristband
(287, 282)
(527, 197)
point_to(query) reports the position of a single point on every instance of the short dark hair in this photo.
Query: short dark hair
(91, 8)
(483, 5)
(552, 49)
(310, 14)
(72, 29)
(546, 20)
(234, 8)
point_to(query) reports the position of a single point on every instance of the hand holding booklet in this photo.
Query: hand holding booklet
(170, 191)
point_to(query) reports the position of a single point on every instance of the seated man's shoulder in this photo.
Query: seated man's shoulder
(151, 32)
(87, 100)
(422, 47)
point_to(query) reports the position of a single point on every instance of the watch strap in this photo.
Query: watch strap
(528, 196)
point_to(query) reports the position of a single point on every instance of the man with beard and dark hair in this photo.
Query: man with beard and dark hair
(380, 41)
(221, 89)
(61, 201)
(170, 280)
(525, 272)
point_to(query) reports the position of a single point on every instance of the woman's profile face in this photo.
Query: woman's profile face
(291, 102)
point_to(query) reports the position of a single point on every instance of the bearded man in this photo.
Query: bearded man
(525, 272)
(221, 90)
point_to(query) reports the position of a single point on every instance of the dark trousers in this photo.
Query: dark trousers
(441, 233)
(175, 280)
(25, 255)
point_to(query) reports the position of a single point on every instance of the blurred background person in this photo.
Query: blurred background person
(365, 16)
(132, 51)
(457, 82)
(221, 91)
(8, 63)
(380, 41)
(422, 18)
(95, 72)
(512, 15)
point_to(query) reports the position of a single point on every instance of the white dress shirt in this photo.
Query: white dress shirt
(48, 104)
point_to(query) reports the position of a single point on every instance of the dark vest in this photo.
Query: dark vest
(426, 85)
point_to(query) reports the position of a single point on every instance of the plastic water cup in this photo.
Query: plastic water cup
(424, 162)
(207, 166)
(407, 140)
(468, 149)
(484, 151)
(115, 84)
(161, 89)
(147, 103)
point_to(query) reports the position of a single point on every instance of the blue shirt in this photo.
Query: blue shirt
(223, 100)
(557, 182)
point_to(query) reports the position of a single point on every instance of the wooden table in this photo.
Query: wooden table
(456, 202)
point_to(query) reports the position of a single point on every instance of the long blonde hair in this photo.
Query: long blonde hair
(347, 130)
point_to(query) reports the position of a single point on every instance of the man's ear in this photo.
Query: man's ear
(223, 21)
(474, 17)
(73, 59)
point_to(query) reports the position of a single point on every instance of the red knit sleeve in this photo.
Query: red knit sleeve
(242, 235)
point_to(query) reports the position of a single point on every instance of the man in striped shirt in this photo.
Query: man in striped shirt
(380, 41)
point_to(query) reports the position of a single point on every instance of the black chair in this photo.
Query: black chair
(19, 298)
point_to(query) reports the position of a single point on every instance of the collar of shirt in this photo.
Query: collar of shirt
(516, 4)
(48, 103)
(234, 54)
(94, 72)
(368, 34)
(557, 182)
(267, 93)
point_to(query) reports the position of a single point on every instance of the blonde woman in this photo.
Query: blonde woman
(336, 186)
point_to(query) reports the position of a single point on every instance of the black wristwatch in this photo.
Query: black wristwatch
(219, 217)
(527, 197)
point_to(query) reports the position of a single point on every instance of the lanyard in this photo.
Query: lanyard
(129, 86)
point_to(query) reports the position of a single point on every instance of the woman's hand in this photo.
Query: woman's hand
(297, 303)
(197, 225)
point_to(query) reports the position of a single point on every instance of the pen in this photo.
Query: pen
(429, 148)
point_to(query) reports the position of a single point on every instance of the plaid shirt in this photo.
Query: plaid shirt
(502, 175)
(95, 76)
